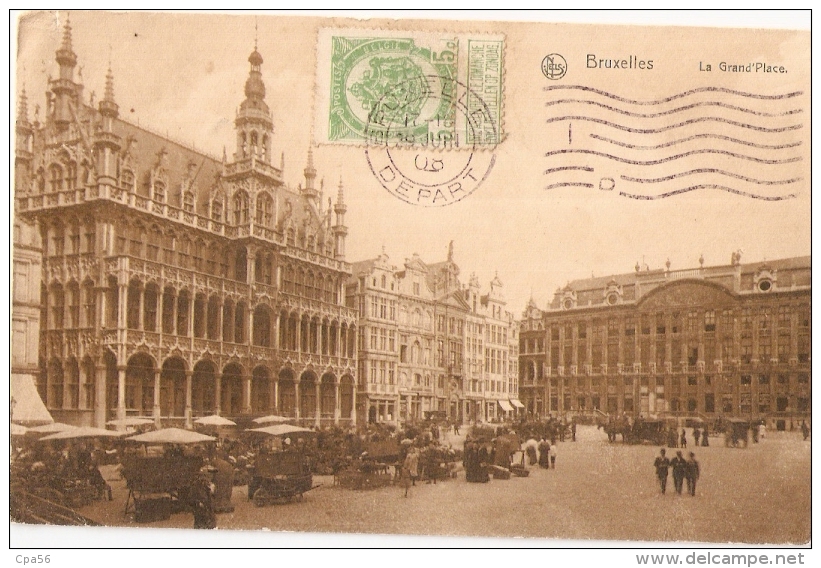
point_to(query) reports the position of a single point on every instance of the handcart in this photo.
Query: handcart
(278, 477)
(158, 485)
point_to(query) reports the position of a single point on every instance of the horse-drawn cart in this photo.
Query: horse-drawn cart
(279, 476)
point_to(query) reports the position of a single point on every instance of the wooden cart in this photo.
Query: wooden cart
(158, 485)
(278, 477)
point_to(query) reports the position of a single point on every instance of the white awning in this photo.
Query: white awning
(505, 405)
(517, 403)
(28, 407)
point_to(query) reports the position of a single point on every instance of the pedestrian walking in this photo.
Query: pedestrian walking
(682, 443)
(692, 474)
(544, 454)
(762, 431)
(704, 441)
(410, 469)
(573, 429)
(696, 435)
(553, 456)
(201, 503)
(662, 465)
(805, 430)
(679, 465)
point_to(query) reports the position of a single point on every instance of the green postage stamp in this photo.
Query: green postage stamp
(409, 88)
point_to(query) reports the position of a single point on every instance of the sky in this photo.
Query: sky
(183, 75)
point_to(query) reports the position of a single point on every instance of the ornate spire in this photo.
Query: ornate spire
(22, 108)
(108, 106)
(310, 174)
(65, 55)
(253, 122)
(109, 85)
(340, 196)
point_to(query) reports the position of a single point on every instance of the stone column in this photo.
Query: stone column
(120, 392)
(141, 319)
(275, 395)
(174, 308)
(220, 322)
(353, 405)
(317, 387)
(157, 390)
(122, 307)
(100, 401)
(188, 392)
(246, 394)
(337, 406)
(275, 332)
(218, 394)
(296, 397)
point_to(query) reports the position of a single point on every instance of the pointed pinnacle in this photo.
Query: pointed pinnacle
(109, 85)
(22, 110)
(67, 34)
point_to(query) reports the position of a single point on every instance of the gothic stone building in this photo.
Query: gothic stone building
(175, 284)
(730, 340)
(429, 346)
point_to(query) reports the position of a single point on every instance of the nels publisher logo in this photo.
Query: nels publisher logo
(554, 66)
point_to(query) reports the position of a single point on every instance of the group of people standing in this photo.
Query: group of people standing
(683, 470)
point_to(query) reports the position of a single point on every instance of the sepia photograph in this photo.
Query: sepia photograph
(454, 277)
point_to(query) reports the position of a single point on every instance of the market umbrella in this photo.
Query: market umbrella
(281, 430)
(52, 428)
(130, 421)
(18, 430)
(214, 420)
(272, 418)
(171, 436)
(82, 432)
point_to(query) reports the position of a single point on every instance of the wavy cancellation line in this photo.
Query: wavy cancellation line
(698, 137)
(675, 110)
(677, 96)
(570, 184)
(708, 186)
(568, 168)
(711, 171)
(672, 126)
(671, 158)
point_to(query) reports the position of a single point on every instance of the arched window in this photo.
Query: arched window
(291, 239)
(216, 210)
(188, 201)
(71, 175)
(240, 208)
(159, 191)
(128, 179)
(265, 210)
(56, 177)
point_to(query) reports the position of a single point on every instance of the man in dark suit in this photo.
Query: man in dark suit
(662, 465)
(679, 465)
(693, 473)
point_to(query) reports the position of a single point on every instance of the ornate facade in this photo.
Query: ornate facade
(429, 345)
(730, 340)
(176, 284)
